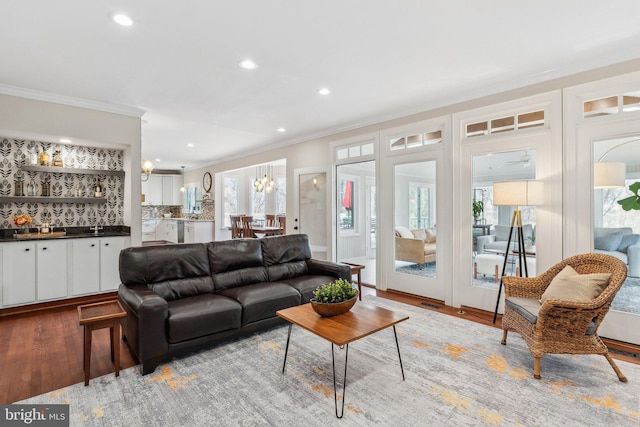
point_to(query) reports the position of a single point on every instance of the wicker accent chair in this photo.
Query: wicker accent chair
(562, 326)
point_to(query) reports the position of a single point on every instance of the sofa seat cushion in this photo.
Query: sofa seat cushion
(429, 249)
(261, 300)
(620, 255)
(202, 315)
(305, 285)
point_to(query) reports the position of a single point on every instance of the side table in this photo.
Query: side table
(98, 316)
(356, 269)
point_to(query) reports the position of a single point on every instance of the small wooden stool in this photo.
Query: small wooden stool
(355, 269)
(98, 316)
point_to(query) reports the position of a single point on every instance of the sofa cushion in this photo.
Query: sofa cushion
(236, 262)
(607, 241)
(202, 315)
(502, 232)
(571, 286)
(429, 249)
(404, 232)
(305, 285)
(261, 300)
(628, 240)
(146, 265)
(431, 235)
(285, 256)
(183, 288)
(420, 233)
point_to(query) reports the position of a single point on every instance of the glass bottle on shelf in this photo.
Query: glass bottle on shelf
(57, 158)
(44, 157)
(33, 157)
(18, 187)
(98, 191)
(46, 188)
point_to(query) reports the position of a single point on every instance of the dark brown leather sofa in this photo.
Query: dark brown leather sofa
(180, 298)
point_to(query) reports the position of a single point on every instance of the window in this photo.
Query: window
(419, 206)
(506, 124)
(230, 185)
(281, 195)
(414, 141)
(258, 202)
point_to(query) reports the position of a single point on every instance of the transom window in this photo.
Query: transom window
(506, 124)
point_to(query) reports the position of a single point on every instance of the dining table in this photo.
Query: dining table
(266, 230)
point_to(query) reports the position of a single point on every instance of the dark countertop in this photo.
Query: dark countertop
(7, 234)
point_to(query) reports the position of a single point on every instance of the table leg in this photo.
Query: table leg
(344, 382)
(398, 347)
(286, 350)
(87, 353)
(115, 346)
(359, 286)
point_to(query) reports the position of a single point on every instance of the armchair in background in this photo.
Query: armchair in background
(498, 240)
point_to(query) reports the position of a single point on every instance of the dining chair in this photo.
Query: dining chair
(282, 222)
(270, 220)
(236, 226)
(247, 228)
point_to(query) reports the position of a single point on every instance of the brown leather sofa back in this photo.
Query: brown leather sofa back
(285, 256)
(172, 271)
(236, 262)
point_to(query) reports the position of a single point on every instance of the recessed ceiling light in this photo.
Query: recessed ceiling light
(123, 20)
(248, 64)
(158, 160)
(65, 140)
(324, 91)
(281, 130)
(190, 145)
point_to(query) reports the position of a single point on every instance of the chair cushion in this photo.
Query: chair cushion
(569, 285)
(404, 232)
(529, 308)
(607, 241)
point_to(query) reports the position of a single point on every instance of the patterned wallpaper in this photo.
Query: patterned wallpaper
(15, 153)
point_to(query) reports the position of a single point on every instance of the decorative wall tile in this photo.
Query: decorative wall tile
(15, 153)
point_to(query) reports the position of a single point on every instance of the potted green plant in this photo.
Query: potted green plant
(478, 208)
(334, 298)
(632, 202)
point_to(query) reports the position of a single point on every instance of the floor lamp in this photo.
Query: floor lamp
(516, 193)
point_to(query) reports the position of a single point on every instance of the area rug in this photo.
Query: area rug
(627, 299)
(457, 374)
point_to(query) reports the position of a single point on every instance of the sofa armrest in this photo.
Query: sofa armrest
(151, 312)
(633, 260)
(321, 267)
(482, 240)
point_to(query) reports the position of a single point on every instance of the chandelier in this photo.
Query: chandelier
(263, 182)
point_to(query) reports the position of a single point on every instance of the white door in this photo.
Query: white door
(18, 273)
(110, 248)
(85, 260)
(311, 216)
(52, 269)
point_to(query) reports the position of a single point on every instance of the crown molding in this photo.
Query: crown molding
(68, 100)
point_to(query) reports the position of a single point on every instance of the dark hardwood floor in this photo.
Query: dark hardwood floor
(41, 350)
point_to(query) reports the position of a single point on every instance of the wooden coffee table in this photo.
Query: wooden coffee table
(97, 316)
(360, 321)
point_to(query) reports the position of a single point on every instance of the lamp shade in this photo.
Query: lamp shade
(518, 193)
(609, 174)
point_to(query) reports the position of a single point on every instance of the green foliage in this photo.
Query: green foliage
(632, 202)
(478, 207)
(337, 291)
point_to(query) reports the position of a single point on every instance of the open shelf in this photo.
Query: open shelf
(52, 199)
(54, 169)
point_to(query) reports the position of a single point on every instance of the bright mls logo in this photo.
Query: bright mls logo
(36, 415)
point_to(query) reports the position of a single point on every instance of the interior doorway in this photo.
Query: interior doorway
(356, 217)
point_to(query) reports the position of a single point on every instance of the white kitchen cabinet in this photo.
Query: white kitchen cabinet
(162, 190)
(85, 271)
(18, 273)
(198, 231)
(51, 271)
(171, 231)
(149, 230)
(110, 248)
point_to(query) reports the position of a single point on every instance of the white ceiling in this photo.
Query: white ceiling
(381, 59)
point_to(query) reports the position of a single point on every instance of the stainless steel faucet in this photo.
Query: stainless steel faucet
(95, 228)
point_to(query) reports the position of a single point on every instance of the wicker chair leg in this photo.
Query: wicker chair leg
(536, 367)
(619, 373)
(504, 337)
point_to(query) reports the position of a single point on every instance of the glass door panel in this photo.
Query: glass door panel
(312, 208)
